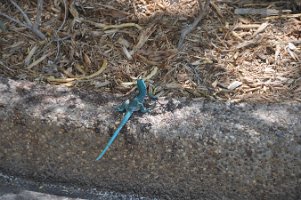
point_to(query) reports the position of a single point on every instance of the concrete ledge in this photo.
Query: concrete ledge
(192, 149)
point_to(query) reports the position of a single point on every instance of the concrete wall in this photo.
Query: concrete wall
(184, 149)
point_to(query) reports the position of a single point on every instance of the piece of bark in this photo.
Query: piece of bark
(258, 11)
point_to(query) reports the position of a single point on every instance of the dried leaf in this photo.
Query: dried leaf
(66, 80)
(214, 84)
(143, 37)
(254, 41)
(87, 60)
(153, 73)
(99, 84)
(38, 61)
(234, 85)
(126, 53)
(30, 54)
(80, 68)
(73, 10)
(262, 27)
(123, 42)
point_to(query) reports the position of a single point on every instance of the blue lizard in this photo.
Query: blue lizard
(129, 107)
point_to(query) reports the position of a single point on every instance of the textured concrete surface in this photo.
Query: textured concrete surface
(184, 149)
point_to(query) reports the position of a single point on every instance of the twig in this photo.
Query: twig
(107, 27)
(38, 33)
(39, 14)
(22, 12)
(28, 24)
(2, 26)
(65, 17)
(218, 12)
(284, 16)
(6, 67)
(14, 20)
(58, 41)
(189, 28)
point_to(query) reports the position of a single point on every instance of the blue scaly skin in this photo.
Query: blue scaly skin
(128, 107)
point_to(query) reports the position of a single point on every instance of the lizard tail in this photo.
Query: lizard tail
(122, 123)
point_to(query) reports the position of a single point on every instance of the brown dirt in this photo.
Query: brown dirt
(261, 54)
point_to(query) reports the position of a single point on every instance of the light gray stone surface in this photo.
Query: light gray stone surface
(184, 149)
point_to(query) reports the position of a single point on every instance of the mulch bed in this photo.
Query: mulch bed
(103, 46)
